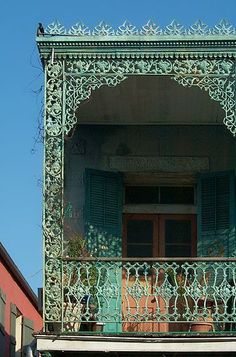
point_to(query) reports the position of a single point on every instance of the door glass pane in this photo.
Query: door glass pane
(139, 251)
(178, 251)
(178, 234)
(139, 238)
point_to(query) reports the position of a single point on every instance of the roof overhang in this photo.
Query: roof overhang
(197, 40)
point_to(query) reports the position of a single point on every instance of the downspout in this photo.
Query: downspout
(30, 350)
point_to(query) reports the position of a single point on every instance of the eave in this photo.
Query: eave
(73, 47)
(150, 40)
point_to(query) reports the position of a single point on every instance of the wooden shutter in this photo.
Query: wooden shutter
(103, 226)
(28, 329)
(103, 212)
(216, 214)
(13, 316)
(2, 322)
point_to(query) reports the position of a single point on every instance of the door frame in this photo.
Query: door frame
(137, 217)
(177, 217)
(158, 247)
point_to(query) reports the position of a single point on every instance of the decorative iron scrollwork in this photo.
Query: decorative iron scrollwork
(68, 83)
(53, 191)
(149, 29)
(217, 77)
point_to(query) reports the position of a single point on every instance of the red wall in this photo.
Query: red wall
(15, 295)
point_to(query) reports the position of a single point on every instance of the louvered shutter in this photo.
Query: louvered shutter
(103, 226)
(2, 322)
(13, 330)
(103, 212)
(28, 329)
(216, 214)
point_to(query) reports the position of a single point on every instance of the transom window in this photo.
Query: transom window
(159, 195)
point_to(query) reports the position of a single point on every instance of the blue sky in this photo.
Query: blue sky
(21, 100)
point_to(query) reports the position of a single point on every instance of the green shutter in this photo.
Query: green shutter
(27, 331)
(103, 212)
(13, 330)
(2, 322)
(216, 214)
(103, 227)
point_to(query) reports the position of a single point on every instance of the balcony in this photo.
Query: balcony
(168, 296)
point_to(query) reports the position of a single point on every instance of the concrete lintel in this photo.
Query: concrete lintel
(158, 163)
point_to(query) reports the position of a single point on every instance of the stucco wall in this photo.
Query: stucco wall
(149, 100)
(181, 148)
(15, 295)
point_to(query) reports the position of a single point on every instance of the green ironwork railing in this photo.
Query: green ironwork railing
(163, 295)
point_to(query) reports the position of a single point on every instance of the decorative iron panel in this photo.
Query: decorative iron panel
(156, 295)
(68, 83)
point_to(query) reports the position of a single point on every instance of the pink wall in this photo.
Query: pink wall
(15, 295)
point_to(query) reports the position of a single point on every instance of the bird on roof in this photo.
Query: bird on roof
(40, 30)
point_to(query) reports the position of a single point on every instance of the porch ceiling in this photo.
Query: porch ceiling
(149, 100)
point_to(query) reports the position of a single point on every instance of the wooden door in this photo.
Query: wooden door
(140, 241)
(147, 235)
(177, 234)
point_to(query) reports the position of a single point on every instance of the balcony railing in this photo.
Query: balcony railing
(147, 295)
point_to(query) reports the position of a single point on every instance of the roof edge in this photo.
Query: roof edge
(7, 261)
(150, 29)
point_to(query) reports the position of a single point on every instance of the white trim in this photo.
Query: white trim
(18, 346)
(113, 344)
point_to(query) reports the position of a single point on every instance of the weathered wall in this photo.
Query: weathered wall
(15, 295)
(149, 100)
(142, 148)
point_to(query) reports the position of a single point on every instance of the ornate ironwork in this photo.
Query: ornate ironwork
(53, 191)
(103, 30)
(68, 83)
(79, 88)
(217, 77)
(149, 29)
(55, 28)
(79, 29)
(154, 294)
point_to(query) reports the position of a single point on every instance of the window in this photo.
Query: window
(159, 195)
(159, 235)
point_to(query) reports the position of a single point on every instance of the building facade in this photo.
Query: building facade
(19, 316)
(139, 189)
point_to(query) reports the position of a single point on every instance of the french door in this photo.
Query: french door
(164, 235)
(152, 235)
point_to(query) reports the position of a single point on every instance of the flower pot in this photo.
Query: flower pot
(199, 326)
(98, 326)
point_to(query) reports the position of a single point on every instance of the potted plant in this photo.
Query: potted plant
(205, 305)
(180, 305)
(80, 287)
(189, 283)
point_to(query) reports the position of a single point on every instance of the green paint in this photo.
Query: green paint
(80, 61)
